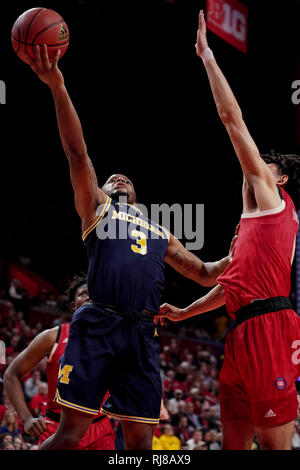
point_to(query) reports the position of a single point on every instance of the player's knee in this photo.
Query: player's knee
(270, 444)
(265, 444)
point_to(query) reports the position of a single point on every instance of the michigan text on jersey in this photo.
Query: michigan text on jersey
(137, 221)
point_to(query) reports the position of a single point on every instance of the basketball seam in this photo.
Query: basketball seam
(48, 45)
(19, 31)
(48, 27)
(28, 29)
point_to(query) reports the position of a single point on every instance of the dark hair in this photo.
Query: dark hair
(288, 164)
(77, 282)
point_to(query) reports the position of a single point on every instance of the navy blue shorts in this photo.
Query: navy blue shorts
(107, 351)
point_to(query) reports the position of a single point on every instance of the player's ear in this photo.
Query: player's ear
(73, 306)
(282, 179)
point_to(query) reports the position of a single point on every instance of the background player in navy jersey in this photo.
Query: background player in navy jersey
(257, 379)
(113, 341)
(51, 343)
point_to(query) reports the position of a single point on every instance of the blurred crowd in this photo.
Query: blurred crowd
(189, 371)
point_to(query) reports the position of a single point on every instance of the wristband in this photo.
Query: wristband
(207, 55)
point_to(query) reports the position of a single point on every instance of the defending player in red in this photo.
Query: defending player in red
(52, 343)
(257, 379)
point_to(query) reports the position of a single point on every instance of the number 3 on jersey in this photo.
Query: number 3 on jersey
(141, 239)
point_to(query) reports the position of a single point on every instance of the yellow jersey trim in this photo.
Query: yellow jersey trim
(69, 404)
(99, 218)
(166, 232)
(138, 419)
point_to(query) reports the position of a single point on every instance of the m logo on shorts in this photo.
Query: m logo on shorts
(280, 383)
(63, 374)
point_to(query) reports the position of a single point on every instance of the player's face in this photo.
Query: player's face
(119, 185)
(81, 297)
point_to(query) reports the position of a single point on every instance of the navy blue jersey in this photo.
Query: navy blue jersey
(126, 253)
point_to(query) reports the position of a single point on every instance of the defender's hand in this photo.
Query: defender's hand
(171, 312)
(201, 43)
(48, 72)
(164, 414)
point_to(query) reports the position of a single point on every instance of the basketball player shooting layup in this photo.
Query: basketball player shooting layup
(257, 379)
(113, 342)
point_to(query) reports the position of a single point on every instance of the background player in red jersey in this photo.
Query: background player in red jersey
(257, 380)
(52, 343)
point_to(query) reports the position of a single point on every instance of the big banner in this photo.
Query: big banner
(229, 20)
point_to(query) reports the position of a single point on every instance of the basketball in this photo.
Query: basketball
(39, 26)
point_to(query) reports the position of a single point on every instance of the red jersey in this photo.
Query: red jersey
(261, 264)
(38, 402)
(53, 367)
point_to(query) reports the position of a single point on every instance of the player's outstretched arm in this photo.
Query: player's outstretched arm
(84, 181)
(40, 346)
(211, 301)
(192, 267)
(256, 171)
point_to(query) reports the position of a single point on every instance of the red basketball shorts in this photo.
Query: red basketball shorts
(261, 365)
(100, 436)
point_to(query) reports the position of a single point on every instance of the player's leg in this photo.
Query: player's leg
(236, 417)
(72, 427)
(136, 388)
(270, 375)
(83, 377)
(237, 435)
(277, 438)
(138, 436)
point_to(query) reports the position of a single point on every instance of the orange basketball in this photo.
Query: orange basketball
(39, 26)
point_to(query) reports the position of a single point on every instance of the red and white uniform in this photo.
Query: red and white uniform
(257, 379)
(100, 435)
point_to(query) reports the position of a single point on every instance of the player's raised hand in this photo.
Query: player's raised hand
(48, 72)
(201, 43)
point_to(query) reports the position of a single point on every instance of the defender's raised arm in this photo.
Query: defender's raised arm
(256, 172)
